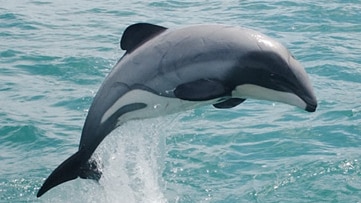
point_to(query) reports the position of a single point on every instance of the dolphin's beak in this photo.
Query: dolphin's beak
(311, 105)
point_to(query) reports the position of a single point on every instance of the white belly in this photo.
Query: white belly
(156, 105)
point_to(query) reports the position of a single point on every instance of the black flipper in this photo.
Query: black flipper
(71, 169)
(229, 103)
(202, 90)
(136, 34)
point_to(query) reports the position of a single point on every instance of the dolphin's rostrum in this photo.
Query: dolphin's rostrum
(169, 70)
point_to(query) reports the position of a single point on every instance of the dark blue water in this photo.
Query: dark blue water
(55, 54)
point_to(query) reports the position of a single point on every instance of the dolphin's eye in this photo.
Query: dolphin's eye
(276, 78)
(281, 82)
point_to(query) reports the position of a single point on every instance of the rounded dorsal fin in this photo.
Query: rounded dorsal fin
(136, 34)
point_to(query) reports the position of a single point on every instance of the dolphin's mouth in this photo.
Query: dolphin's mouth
(311, 107)
(311, 104)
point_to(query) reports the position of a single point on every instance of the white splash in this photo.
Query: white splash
(133, 157)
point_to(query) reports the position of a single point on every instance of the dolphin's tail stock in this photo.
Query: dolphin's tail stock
(70, 169)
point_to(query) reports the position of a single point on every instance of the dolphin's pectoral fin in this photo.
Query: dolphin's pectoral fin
(90, 171)
(229, 103)
(201, 90)
(68, 170)
(138, 33)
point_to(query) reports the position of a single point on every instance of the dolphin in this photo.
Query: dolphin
(165, 71)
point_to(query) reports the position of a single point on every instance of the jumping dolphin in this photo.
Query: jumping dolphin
(165, 71)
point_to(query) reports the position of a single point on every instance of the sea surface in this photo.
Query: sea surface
(55, 54)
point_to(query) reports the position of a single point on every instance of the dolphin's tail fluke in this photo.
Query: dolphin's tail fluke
(71, 169)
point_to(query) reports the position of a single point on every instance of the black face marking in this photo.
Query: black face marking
(267, 69)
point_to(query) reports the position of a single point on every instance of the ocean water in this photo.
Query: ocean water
(55, 54)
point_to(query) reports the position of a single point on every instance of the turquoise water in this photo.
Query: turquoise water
(55, 54)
